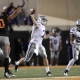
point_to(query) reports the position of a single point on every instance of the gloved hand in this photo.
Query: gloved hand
(22, 4)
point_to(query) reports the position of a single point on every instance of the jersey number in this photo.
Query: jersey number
(2, 24)
(55, 41)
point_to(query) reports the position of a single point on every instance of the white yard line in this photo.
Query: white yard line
(47, 78)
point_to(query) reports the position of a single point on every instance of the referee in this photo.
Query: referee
(4, 37)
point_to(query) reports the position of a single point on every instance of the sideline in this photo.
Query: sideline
(43, 67)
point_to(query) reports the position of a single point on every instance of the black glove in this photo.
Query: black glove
(22, 4)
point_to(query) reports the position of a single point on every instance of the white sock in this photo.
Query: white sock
(71, 62)
(17, 63)
(47, 69)
(32, 63)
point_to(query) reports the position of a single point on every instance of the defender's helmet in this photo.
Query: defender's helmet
(43, 20)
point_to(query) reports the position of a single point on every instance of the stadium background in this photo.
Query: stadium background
(60, 13)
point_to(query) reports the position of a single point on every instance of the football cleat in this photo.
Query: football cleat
(10, 73)
(66, 73)
(49, 74)
(16, 67)
(6, 74)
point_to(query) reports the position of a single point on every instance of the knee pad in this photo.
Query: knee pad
(6, 55)
(1, 55)
(1, 51)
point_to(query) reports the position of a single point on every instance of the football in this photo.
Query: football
(32, 11)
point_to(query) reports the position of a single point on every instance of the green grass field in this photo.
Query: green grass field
(37, 72)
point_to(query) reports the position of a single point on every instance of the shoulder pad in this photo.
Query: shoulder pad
(72, 30)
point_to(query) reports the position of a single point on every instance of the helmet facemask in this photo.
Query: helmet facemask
(43, 20)
(78, 27)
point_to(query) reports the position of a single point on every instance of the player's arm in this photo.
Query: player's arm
(72, 38)
(46, 36)
(50, 45)
(72, 35)
(60, 43)
(33, 19)
(15, 13)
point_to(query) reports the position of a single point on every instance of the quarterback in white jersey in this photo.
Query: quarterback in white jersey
(74, 35)
(37, 33)
(55, 47)
(35, 44)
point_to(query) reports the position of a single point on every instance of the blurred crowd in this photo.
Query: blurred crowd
(21, 19)
(55, 41)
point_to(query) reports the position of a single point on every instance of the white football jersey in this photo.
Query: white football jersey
(55, 42)
(37, 34)
(76, 34)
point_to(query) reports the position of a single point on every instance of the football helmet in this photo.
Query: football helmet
(43, 20)
(78, 24)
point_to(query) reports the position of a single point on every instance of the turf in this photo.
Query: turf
(37, 72)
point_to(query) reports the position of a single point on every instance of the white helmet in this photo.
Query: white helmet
(43, 20)
(78, 24)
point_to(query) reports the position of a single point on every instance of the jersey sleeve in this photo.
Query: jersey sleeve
(38, 23)
(60, 39)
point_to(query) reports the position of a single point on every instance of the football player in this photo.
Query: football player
(74, 36)
(55, 47)
(4, 37)
(35, 44)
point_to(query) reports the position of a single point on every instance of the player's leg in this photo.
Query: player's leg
(69, 52)
(56, 57)
(51, 57)
(43, 54)
(1, 55)
(29, 54)
(72, 61)
(74, 51)
(32, 60)
(6, 50)
(37, 59)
